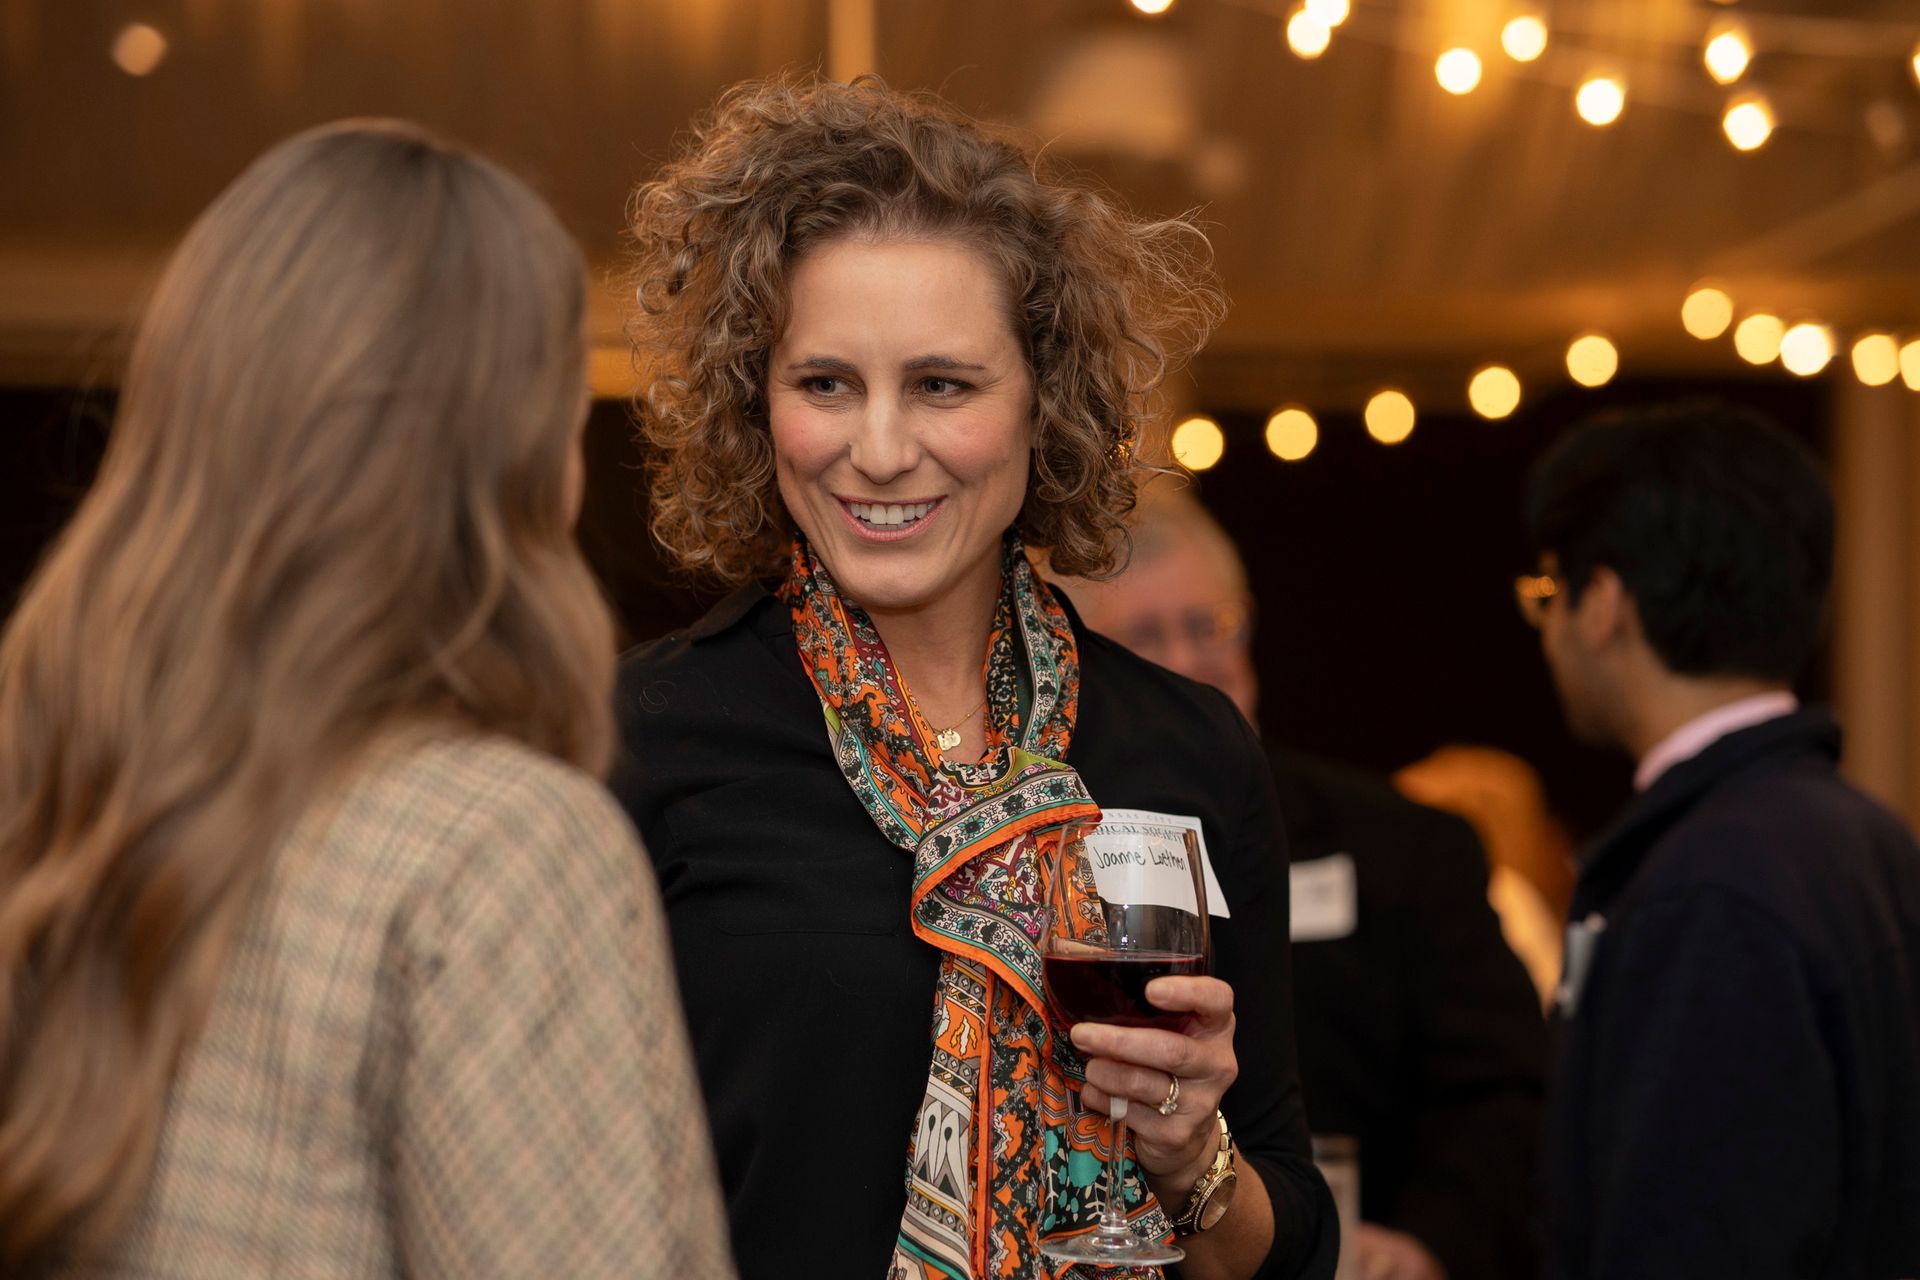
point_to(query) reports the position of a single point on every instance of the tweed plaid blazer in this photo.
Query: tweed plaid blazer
(448, 1044)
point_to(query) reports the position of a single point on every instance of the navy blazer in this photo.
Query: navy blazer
(1737, 1091)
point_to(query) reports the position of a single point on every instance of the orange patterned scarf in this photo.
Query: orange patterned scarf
(999, 1157)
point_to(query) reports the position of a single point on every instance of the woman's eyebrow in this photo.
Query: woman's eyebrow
(823, 364)
(919, 363)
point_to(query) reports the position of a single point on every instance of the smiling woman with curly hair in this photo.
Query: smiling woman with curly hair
(885, 353)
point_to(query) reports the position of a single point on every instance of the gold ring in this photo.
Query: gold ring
(1172, 1102)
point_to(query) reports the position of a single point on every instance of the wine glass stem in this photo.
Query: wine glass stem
(1113, 1218)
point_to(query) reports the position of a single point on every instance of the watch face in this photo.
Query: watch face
(1216, 1206)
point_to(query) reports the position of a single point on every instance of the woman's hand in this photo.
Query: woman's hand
(1140, 1063)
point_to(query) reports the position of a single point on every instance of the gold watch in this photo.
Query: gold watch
(1208, 1201)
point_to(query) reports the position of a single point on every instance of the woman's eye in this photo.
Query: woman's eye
(825, 385)
(943, 386)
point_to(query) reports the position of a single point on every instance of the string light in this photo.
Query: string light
(1806, 349)
(1748, 122)
(1390, 417)
(1458, 71)
(1292, 433)
(1707, 313)
(1600, 100)
(1198, 443)
(1494, 392)
(1876, 359)
(1728, 52)
(1592, 360)
(1330, 12)
(1910, 365)
(1307, 35)
(1152, 8)
(138, 49)
(1757, 338)
(1524, 38)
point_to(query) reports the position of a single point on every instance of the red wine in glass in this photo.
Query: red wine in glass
(1111, 986)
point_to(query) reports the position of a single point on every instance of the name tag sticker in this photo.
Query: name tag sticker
(1141, 856)
(1325, 899)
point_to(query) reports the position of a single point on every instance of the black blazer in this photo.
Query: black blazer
(1737, 1091)
(808, 996)
(1420, 1032)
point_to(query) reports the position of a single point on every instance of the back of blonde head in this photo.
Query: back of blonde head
(335, 499)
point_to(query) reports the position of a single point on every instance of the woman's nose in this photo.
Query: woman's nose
(883, 444)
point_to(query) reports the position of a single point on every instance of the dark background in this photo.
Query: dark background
(1383, 574)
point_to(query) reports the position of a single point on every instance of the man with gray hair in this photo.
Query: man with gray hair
(1419, 1033)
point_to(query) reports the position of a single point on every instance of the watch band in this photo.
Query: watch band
(1219, 1176)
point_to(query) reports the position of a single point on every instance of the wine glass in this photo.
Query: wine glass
(1126, 903)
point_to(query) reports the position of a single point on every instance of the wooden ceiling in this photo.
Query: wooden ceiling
(1368, 224)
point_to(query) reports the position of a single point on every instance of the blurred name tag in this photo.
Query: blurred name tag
(1141, 856)
(1325, 898)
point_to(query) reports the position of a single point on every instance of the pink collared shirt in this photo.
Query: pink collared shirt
(1701, 732)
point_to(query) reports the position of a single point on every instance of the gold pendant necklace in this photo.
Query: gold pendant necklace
(948, 739)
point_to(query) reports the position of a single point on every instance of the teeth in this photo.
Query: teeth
(884, 515)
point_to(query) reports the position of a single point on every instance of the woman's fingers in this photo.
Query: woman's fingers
(1196, 1054)
(1144, 1085)
(1209, 998)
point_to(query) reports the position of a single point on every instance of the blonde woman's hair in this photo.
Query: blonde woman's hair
(335, 501)
(1103, 304)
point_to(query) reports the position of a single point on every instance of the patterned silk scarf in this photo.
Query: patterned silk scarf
(1000, 1156)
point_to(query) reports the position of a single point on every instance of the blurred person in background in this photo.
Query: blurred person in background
(1739, 1025)
(322, 953)
(892, 354)
(1503, 798)
(1419, 1034)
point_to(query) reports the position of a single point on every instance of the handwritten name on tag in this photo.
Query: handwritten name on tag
(1325, 896)
(1141, 856)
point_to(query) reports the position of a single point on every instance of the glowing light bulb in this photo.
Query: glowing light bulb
(1458, 71)
(1806, 349)
(1494, 392)
(1390, 417)
(1913, 64)
(1910, 365)
(1524, 38)
(1198, 443)
(1330, 12)
(1307, 35)
(1757, 338)
(1707, 313)
(1876, 359)
(1748, 122)
(1152, 8)
(1292, 433)
(138, 49)
(1727, 53)
(1592, 360)
(1600, 100)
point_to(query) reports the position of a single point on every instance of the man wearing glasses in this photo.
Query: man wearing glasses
(1419, 1034)
(1737, 1083)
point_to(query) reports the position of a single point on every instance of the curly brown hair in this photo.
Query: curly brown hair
(1104, 305)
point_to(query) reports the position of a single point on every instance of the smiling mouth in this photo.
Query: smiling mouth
(889, 519)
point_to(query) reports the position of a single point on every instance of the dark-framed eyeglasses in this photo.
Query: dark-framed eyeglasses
(1531, 591)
